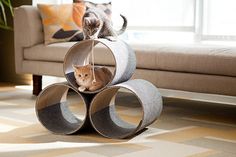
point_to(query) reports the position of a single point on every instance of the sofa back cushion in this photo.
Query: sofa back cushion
(62, 22)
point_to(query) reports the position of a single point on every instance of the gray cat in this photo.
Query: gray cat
(96, 24)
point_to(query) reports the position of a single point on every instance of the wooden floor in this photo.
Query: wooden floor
(185, 128)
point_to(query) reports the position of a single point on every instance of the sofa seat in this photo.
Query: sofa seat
(53, 52)
(200, 59)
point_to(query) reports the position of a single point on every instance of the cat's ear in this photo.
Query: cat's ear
(86, 21)
(74, 66)
(88, 66)
(97, 23)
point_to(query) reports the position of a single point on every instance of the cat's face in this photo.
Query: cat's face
(83, 74)
(91, 25)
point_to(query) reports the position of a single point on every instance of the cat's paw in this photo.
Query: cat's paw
(111, 38)
(81, 88)
(94, 81)
(93, 88)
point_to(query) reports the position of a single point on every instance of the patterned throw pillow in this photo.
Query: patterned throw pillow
(62, 22)
(106, 7)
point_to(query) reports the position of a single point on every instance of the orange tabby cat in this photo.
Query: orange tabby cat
(85, 80)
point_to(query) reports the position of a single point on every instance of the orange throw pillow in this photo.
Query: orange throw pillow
(62, 22)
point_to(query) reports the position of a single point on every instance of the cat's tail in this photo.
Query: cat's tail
(124, 26)
(107, 73)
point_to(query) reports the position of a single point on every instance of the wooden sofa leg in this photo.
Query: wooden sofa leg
(37, 84)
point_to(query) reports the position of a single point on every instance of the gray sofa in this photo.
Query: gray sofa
(196, 68)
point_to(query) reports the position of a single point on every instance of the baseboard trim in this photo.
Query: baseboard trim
(212, 98)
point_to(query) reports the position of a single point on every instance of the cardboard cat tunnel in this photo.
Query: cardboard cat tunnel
(54, 108)
(97, 111)
(108, 123)
(118, 52)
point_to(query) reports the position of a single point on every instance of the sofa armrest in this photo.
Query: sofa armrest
(28, 31)
(28, 26)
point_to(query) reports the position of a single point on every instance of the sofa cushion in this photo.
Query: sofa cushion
(54, 52)
(196, 58)
(201, 59)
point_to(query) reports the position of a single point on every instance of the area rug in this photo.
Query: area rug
(185, 128)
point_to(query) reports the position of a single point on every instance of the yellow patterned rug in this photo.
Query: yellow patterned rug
(185, 128)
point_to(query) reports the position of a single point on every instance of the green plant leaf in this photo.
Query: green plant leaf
(1, 20)
(3, 13)
(5, 27)
(11, 8)
(8, 4)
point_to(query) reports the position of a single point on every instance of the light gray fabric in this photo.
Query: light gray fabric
(203, 59)
(28, 31)
(213, 84)
(28, 26)
(43, 68)
(200, 59)
(53, 52)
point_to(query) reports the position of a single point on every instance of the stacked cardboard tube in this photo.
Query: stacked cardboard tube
(99, 106)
